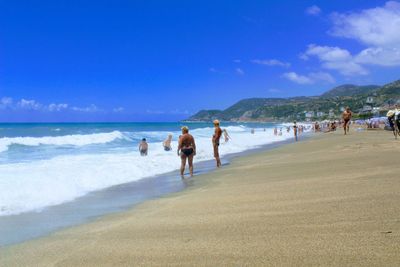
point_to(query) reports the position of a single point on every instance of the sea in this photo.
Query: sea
(48, 165)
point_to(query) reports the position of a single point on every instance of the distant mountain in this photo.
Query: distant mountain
(391, 89)
(361, 99)
(206, 115)
(350, 90)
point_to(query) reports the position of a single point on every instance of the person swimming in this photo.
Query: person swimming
(186, 150)
(167, 143)
(143, 147)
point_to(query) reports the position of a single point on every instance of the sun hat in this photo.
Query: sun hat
(390, 113)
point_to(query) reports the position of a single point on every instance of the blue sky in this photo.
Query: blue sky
(163, 60)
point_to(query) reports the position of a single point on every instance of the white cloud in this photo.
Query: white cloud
(29, 104)
(6, 102)
(91, 108)
(379, 56)
(328, 53)
(294, 77)
(119, 109)
(271, 62)
(150, 111)
(336, 58)
(313, 10)
(214, 70)
(33, 105)
(310, 78)
(239, 71)
(378, 28)
(178, 111)
(57, 107)
(375, 27)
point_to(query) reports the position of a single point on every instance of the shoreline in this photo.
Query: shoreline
(19, 228)
(293, 205)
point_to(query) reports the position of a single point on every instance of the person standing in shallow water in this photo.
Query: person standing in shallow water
(143, 147)
(295, 130)
(346, 118)
(186, 150)
(215, 142)
(167, 143)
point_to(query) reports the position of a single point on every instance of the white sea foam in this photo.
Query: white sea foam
(29, 186)
(72, 140)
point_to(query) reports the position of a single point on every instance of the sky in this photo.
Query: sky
(67, 61)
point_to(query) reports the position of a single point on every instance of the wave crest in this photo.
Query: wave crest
(72, 140)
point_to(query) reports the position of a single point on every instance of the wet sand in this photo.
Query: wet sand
(330, 200)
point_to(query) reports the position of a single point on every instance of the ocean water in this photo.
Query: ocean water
(43, 165)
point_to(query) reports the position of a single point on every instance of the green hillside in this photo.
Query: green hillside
(350, 90)
(361, 99)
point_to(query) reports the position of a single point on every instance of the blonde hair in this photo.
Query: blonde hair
(185, 129)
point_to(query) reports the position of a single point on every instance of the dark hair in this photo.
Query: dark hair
(144, 139)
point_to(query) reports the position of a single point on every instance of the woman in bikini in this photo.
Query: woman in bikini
(186, 150)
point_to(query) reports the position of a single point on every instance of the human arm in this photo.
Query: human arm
(194, 146)
(179, 146)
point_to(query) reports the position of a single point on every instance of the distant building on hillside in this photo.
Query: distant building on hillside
(376, 110)
(309, 114)
(320, 114)
(331, 113)
(366, 109)
(370, 100)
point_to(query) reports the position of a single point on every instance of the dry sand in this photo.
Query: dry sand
(330, 200)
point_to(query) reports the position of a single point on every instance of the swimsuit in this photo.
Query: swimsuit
(187, 151)
(167, 148)
(143, 152)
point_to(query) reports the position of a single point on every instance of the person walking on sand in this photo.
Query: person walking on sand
(346, 118)
(295, 130)
(167, 143)
(143, 147)
(186, 150)
(226, 135)
(215, 141)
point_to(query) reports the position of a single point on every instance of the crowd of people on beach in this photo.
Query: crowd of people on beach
(187, 147)
(391, 122)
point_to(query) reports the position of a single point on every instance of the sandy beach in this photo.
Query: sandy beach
(330, 200)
